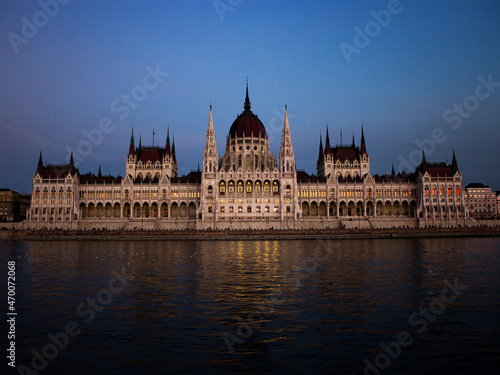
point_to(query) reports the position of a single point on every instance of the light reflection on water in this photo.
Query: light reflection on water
(339, 301)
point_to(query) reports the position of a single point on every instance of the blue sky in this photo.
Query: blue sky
(412, 78)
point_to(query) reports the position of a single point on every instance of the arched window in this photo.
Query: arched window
(249, 188)
(222, 188)
(210, 190)
(287, 190)
(37, 193)
(434, 190)
(332, 193)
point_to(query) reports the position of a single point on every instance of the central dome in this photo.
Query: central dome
(247, 124)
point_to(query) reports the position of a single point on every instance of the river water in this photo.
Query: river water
(238, 307)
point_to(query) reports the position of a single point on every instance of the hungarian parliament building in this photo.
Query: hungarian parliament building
(248, 187)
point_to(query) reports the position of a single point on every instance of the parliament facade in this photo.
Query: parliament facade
(248, 187)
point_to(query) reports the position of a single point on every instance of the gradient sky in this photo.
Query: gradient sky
(403, 85)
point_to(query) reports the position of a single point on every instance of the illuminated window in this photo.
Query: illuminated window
(240, 209)
(222, 209)
(210, 209)
(249, 208)
(210, 190)
(257, 209)
(231, 209)
(276, 209)
(266, 209)
(257, 186)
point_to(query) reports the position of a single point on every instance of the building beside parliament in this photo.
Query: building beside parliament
(248, 187)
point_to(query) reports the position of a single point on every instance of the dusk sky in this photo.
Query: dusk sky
(415, 73)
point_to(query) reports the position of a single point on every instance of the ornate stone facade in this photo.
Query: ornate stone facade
(248, 187)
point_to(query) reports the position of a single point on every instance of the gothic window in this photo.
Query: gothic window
(457, 191)
(239, 161)
(287, 208)
(257, 209)
(249, 188)
(249, 208)
(210, 191)
(231, 186)
(257, 186)
(37, 193)
(164, 194)
(266, 186)
(222, 188)
(450, 190)
(240, 209)
(441, 191)
(434, 190)
(231, 209)
(426, 190)
(240, 186)
(222, 209)
(210, 209)
(287, 190)
(53, 193)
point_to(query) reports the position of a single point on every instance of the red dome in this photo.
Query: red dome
(247, 124)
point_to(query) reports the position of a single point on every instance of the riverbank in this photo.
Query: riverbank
(295, 234)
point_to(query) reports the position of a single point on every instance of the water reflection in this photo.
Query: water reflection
(340, 299)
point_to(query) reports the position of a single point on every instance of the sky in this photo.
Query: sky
(78, 75)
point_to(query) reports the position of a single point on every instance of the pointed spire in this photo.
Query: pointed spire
(423, 157)
(363, 146)
(353, 144)
(210, 119)
(173, 149)
(167, 145)
(286, 126)
(99, 174)
(454, 163)
(247, 100)
(140, 141)
(40, 163)
(328, 149)
(321, 155)
(71, 161)
(392, 171)
(132, 143)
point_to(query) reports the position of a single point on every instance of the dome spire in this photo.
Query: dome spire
(247, 100)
